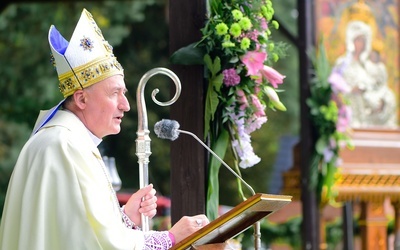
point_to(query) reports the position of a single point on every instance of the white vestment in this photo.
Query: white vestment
(59, 196)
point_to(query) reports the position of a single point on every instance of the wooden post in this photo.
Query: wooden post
(396, 230)
(188, 157)
(323, 245)
(373, 225)
(348, 226)
(310, 225)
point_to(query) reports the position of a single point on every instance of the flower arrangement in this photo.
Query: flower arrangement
(237, 51)
(330, 115)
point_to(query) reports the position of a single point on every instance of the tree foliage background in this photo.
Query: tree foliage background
(138, 31)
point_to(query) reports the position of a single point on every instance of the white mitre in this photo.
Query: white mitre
(86, 59)
(83, 61)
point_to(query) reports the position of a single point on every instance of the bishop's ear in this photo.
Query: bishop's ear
(80, 98)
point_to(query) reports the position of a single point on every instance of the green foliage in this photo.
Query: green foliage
(189, 55)
(330, 117)
(239, 51)
(266, 140)
(213, 91)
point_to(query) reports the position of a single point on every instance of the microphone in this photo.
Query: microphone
(169, 129)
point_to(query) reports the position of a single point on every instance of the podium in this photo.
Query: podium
(235, 221)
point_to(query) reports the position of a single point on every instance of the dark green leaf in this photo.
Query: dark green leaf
(189, 55)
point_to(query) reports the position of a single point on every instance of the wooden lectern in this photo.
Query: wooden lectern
(235, 221)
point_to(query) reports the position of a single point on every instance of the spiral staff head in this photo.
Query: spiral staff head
(143, 149)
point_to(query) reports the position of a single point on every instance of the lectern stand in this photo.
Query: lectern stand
(235, 221)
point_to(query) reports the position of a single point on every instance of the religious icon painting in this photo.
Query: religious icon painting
(361, 38)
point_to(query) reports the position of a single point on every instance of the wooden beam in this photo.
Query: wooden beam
(188, 157)
(310, 211)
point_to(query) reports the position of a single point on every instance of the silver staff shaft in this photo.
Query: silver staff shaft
(143, 148)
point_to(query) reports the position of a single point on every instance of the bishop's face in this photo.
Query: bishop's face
(105, 106)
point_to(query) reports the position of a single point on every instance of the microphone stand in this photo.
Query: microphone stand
(143, 149)
(257, 225)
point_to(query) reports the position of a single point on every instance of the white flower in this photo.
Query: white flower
(255, 124)
(251, 160)
(242, 144)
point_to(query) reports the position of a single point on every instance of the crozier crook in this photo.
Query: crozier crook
(143, 150)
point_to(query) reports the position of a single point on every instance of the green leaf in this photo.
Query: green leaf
(314, 163)
(217, 82)
(214, 86)
(211, 105)
(321, 144)
(213, 66)
(216, 66)
(213, 102)
(219, 147)
(214, 5)
(329, 179)
(189, 55)
(208, 62)
(234, 59)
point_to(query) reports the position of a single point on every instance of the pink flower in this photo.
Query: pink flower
(253, 35)
(338, 83)
(344, 118)
(254, 123)
(264, 24)
(254, 61)
(259, 107)
(242, 99)
(273, 76)
(231, 78)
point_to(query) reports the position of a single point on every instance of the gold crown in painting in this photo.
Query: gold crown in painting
(86, 59)
(361, 11)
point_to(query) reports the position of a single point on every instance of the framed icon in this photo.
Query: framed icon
(362, 42)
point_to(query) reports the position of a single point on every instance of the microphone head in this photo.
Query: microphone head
(167, 129)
